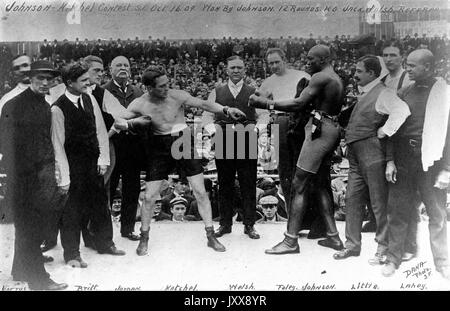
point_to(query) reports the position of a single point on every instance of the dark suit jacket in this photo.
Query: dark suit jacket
(125, 99)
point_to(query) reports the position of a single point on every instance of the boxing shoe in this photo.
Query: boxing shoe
(288, 246)
(142, 248)
(212, 240)
(333, 242)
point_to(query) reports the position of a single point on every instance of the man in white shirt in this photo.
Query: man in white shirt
(282, 84)
(81, 162)
(379, 113)
(236, 94)
(397, 77)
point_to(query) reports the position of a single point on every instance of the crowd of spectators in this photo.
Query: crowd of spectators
(198, 65)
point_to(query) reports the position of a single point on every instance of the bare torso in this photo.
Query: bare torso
(329, 97)
(167, 114)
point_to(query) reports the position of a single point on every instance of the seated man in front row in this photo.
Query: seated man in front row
(166, 108)
(269, 206)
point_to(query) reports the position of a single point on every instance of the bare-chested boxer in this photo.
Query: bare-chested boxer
(166, 108)
(324, 93)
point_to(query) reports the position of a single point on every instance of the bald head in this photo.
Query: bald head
(423, 56)
(420, 64)
(120, 69)
(321, 51)
(318, 58)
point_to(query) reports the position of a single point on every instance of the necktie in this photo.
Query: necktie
(80, 107)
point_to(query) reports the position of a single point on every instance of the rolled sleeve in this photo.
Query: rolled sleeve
(58, 140)
(102, 134)
(390, 104)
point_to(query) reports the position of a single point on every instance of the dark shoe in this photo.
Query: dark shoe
(212, 240)
(288, 246)
(408, 256)
(222, 230)
(332, 242)
(131, 236)
(49, 285)
(142, 248)
(370, 226)
(77, 263)
(47, 258)
(378, 260)
(388, 269)
(46, 246)
(251, 232)
(90, 245)
(345, 253)
(112, 250)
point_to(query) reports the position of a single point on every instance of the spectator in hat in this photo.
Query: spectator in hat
(26, 145)
(269, 206)
(158, 214)
(178, 207)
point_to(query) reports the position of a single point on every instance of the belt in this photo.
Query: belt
(325, 115)
(282, 114)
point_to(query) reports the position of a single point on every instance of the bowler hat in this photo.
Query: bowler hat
(42, 66)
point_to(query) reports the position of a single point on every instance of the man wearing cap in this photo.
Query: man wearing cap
(243, 160)
(178, 207)
(25, 142)
(269, 206)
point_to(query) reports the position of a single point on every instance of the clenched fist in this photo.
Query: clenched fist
(236, 114)
(139, 123)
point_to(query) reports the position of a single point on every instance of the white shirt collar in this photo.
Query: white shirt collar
(120, 87)
(237, 85)
(366, 88)
(71, 97)
(22, 86)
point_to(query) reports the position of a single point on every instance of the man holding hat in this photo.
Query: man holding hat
(25, 142)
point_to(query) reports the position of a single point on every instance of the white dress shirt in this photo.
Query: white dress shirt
(235, 89)
(388, 103)
(58, 138)
(392, 81)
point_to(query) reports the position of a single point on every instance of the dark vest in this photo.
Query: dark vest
(225, 98)
(98, 94)
(81, 143)
(365, 120)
